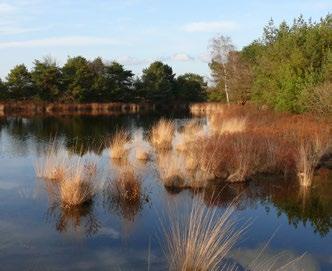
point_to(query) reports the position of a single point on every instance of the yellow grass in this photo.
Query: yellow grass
(200, 240)
(170, 170)
(53, 165)
(162, 134)
(78, 185)
(190, 132)
(119, 145)
(310, 152)
(142, 149)
(223, 126)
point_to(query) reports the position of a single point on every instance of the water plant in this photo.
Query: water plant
(78, 185)
(119, 145)
(162, 134)
(201, 239)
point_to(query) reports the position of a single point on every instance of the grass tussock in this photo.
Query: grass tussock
(142, 148)
(119, 145)
(200, 240)
(310, 152)
(78, 186)
(162, 134)
(190, 132)
(125, 193)
(170, 170)
(52, 166)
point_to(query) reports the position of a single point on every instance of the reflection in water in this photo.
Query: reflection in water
(312, 205)
(78, 219)
(80, 134)
(115, 202)
(22, 140)
(262, 259)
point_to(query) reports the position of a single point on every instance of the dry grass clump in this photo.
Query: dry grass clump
(248, 141)
(142, 149)
(171, 171)
(310, 152)
(232, 125)
(206, 108)
(191, 131)
(200, 240)
(162, 134)
(53, 165)
(119, 145)
(77, 187)
(128, 186)
(125, 193)
(238, 157)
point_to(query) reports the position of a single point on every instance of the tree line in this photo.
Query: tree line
(288, 69)
(80, 80)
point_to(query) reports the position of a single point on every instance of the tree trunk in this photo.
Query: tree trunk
(225, 83)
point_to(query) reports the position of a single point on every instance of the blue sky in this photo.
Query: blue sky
(137, 32)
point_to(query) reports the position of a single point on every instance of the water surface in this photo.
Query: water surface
(35, 234)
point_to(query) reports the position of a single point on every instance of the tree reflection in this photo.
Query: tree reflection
(80, 134)
(301, 206)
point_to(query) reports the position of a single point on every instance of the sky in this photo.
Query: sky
(137, 32)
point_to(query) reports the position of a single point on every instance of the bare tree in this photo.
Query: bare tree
(220, 48)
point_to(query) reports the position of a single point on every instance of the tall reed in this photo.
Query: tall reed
(201, 240)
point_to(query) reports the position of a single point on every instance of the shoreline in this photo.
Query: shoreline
(115, 108)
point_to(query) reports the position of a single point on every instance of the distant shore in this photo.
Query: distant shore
(22, 108)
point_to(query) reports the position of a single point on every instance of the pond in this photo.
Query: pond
(284, 221)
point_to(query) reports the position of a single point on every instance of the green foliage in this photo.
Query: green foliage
(157, 83)
(47, 78)
(191, 87)
(289, 61)
(78, 79)
(81, 80)
(215, 95)
(19, 83)
(3, 90)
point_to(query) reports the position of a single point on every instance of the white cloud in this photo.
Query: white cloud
(132, 61)
(182, 57)
(212, 26)
(12, 30)
(6, 8)
(59, 41)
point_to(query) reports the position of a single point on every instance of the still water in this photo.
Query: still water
(37, 235)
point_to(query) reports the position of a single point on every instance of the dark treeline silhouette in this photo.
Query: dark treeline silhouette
(83, 81)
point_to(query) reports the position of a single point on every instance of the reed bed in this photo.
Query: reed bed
(245, 141)
(119, 145)
(162, 134)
